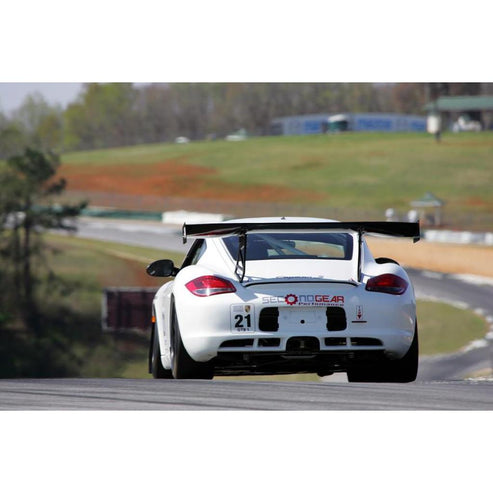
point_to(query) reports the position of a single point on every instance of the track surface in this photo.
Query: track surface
(120, 394)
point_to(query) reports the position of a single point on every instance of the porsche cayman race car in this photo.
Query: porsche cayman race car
(285, 295)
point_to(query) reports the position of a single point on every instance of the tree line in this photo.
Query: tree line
(122, 114)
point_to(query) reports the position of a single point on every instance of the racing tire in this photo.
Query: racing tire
(403, 370)
(182, 364)
(156, 367)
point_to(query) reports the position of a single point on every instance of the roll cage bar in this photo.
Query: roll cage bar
(240, 229)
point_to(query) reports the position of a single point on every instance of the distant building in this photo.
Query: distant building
(356, 122)
(300, 124)
(463, 113)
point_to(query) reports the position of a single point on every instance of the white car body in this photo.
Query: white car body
(285, 315)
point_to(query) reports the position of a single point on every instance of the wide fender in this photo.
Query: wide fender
(161, 308)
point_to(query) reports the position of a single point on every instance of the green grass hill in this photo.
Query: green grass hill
(353, 173)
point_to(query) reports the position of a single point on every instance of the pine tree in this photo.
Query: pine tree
(28, 186)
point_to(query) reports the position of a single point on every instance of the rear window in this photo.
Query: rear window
(298, 245)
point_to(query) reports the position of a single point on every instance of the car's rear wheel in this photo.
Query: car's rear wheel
(156, 367)
(403, 370)
(182, 364)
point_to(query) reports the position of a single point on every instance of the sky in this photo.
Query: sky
(13, 94)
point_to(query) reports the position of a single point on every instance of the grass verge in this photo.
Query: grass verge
(83, 268)
(446, 329)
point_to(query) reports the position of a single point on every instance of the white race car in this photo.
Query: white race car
(285, 295)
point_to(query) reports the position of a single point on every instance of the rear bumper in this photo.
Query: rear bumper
(293, 353)
(266, 363)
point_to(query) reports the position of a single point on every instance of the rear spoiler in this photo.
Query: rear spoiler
(217, 230)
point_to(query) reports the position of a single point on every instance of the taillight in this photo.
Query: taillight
(387, 283)
(209, 286)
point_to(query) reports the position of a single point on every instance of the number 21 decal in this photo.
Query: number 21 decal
(243, 321)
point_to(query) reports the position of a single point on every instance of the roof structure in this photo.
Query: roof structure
(428, 200)
(461, 103)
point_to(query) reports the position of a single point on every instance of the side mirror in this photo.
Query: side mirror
(162, 268)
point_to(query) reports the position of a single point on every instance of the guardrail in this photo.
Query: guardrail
(461, 237)
(178, 217)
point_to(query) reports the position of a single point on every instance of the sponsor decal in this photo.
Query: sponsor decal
(359, 315)
(291, 299)
(304, 300)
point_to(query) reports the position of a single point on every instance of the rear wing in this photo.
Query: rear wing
(217, 230)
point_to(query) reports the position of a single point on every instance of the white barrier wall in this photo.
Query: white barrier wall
(462, 237)
(180, 217)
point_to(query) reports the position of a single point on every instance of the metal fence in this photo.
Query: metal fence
(125, 309)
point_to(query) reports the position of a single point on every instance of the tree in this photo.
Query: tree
(155, 121)
(258, 102)
(12, 140)
(40, 122)
(28, 184)
(408, 97)
(191, 108)
(104, 116)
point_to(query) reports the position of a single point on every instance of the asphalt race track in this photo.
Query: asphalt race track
(477, 297)
(138, 233)
(140, 395)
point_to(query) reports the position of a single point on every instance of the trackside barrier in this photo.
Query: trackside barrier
(125, 309)
(179, 217)
(121, 214)
(461, 237)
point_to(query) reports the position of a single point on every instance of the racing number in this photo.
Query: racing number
(243, 321)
